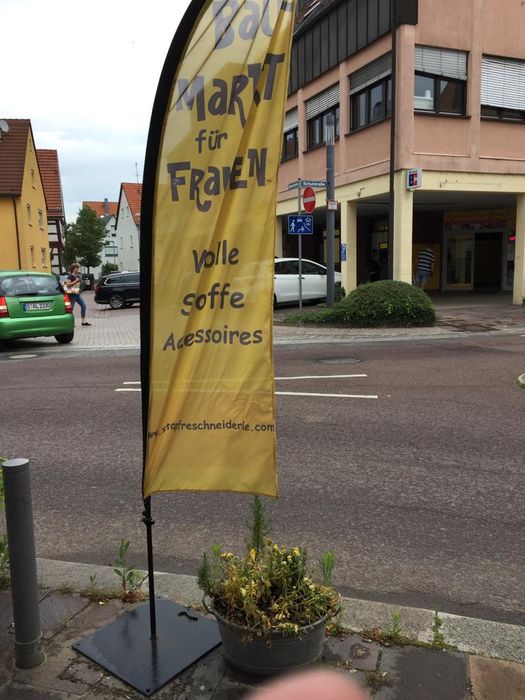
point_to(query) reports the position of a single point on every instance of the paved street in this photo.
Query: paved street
(418, 491)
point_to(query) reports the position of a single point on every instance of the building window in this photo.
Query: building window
(131, 241)
(438, 95)
(33, 178)
(32, 256)
(373, 104)
(43, 260)
(28, 210)
(317, 110)
(291, 135)
(41, 218)
(290, 144)
(440, 81)
(371, 92)
(503, 89)
(317, 127)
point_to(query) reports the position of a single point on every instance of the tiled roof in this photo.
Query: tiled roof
(99, 207)
(50, 174)
(13, 147)
(133, 192)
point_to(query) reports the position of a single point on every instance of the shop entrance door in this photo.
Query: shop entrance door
(458, 261)
(487, 261)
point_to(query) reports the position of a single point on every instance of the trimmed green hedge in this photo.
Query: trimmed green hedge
(382, 303)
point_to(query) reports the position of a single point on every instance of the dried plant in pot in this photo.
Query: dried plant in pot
(272, 613)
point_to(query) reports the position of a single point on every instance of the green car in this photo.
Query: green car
(32, 304)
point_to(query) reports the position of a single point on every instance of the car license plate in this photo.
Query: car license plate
(37, 305)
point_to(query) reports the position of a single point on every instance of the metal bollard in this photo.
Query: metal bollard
(22, 563)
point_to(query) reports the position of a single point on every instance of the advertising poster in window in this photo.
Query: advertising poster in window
(207, 250)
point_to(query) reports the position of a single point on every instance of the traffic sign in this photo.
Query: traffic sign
(314, 183)
(306, 183)
(303, 225)
(309, 199)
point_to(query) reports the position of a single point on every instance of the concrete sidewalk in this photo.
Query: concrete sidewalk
(488, 663)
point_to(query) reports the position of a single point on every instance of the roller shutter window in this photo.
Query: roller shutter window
(503, 88)
(317, 110)
(371, 92)
(440, 80)
(323, 101)
(290, 135)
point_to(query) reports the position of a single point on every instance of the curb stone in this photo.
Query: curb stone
(496, 640)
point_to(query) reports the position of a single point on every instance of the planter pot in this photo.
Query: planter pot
(266, 656)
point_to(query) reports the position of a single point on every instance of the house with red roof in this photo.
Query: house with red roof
(24, 242)
(107, 211)
(128, 226)
(56, 218)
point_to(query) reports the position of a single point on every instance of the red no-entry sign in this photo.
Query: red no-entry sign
(308, 199)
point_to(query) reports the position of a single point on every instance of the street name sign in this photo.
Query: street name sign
(306, 183)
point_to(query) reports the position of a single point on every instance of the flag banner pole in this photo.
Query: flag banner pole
(207, 242)
(149, 522)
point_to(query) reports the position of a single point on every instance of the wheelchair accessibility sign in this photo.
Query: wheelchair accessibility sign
(303, 225)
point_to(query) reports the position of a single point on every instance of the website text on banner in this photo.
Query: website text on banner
(210, 414)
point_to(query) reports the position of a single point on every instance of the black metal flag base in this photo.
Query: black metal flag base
(126, 649)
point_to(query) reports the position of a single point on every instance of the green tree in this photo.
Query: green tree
(109, 267)
(85, 239)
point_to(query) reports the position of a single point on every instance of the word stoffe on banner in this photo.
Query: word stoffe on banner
(207, 245)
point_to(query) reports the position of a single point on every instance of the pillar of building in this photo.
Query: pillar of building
(278, 236)
(349, 238)
(518, 293)
(403, 205)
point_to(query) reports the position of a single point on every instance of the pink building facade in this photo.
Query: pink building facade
(459, 127)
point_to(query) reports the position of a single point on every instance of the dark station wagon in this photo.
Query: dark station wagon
(118, 289)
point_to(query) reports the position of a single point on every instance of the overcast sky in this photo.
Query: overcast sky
(85, 74)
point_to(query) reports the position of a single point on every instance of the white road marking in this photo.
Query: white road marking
(298, 393)
(21, 357)
(335, 396)
(306, 376)
(323, 376)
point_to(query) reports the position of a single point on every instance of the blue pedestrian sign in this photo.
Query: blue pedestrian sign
(303, 225)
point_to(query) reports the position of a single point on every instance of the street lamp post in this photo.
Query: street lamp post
(330, 214)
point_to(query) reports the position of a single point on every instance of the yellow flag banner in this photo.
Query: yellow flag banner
(207, 250)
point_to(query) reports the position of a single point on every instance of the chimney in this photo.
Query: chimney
(106, 206)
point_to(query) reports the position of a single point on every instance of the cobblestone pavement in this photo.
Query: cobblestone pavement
(456, 316)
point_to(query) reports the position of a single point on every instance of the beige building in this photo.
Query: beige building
(458, 176)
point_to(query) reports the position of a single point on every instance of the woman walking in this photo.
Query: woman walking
(72, 287)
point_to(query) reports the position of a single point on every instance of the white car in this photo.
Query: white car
(286, 280)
